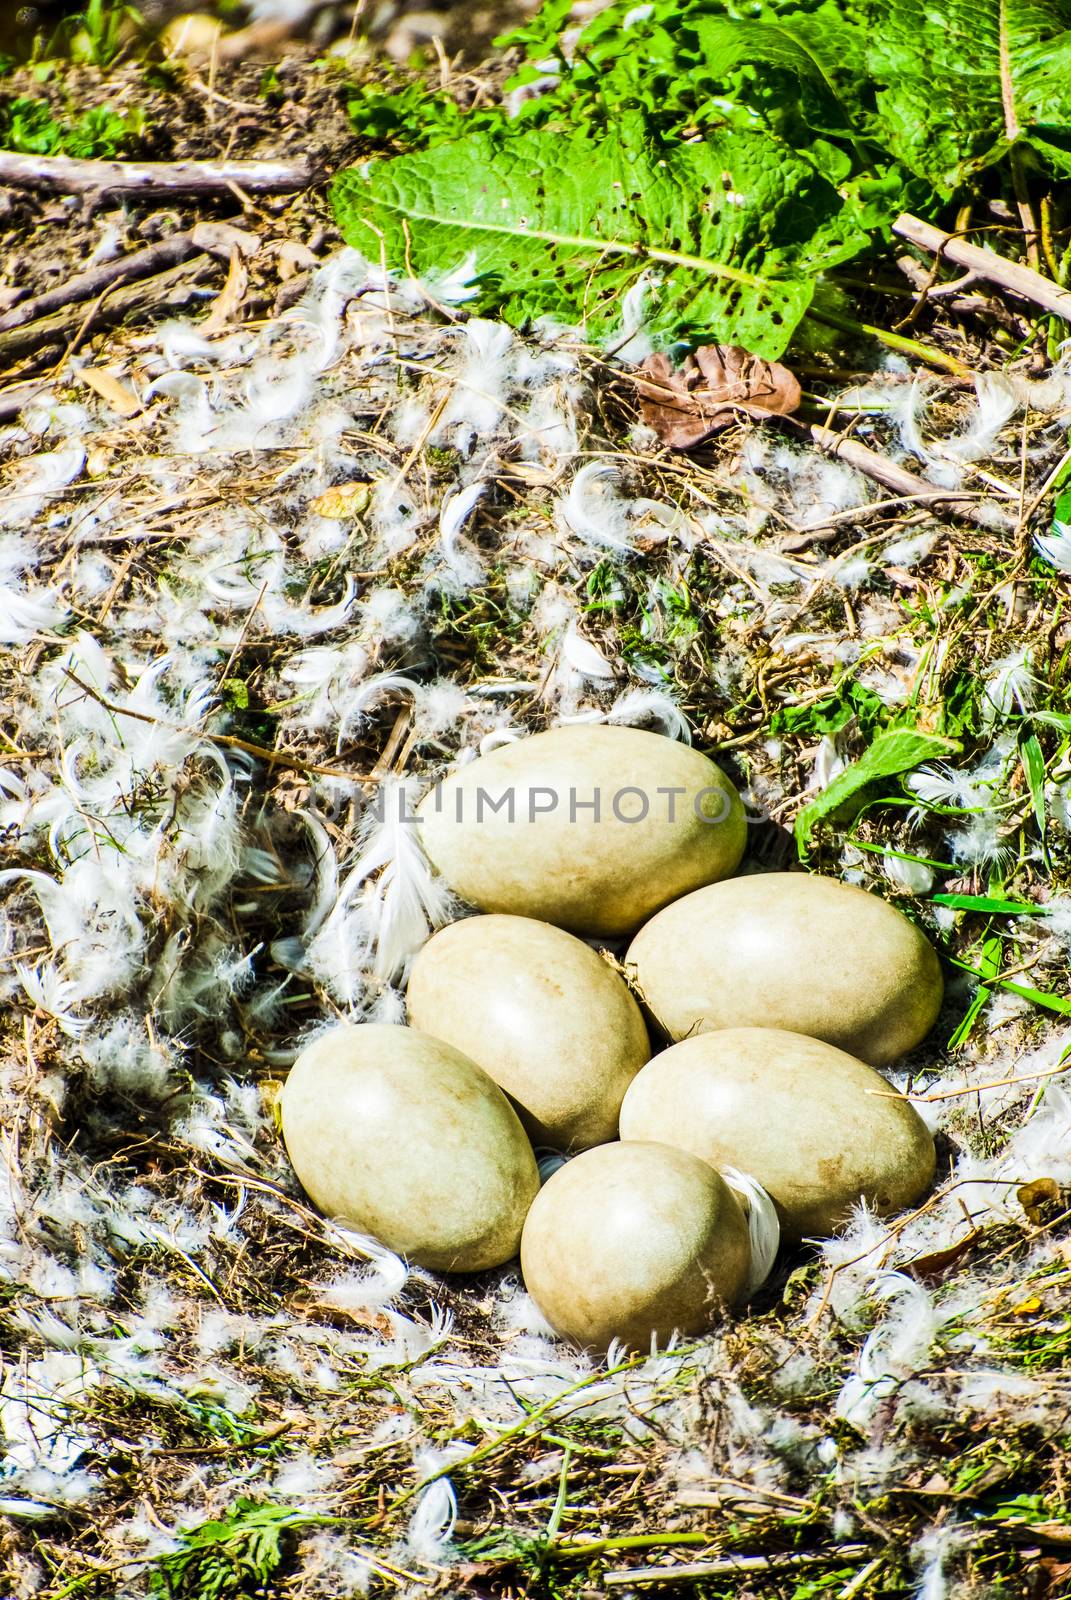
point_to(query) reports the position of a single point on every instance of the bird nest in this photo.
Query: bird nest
(262, 560)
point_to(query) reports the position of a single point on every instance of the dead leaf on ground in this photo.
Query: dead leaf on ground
(229, 298)
(345, 500)
(1055, 1578)
(1035, 1196)
(122, 399)
(687, 404)
(932, 1267)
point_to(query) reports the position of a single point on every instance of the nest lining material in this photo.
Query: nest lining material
(180, 915)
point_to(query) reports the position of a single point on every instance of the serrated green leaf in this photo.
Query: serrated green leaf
(730, 233)
(894, 752)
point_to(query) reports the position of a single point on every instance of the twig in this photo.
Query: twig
(16, 396)
(164, 291)
(985, 514)
(728, 1566)
(500, 1441)
(66, 175)
(973, 1088)
(1017, 280)
(87, 285)
(226, 741)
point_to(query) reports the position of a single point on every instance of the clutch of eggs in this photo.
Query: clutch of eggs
(783, 990)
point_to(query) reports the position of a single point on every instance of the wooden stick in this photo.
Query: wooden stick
(984, 514)
(162, 292)
(728, 1566)
(87, 285)
(65, 175)
(1018, 280)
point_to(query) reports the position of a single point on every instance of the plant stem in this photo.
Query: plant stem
(635, 1541)
(895, 341)
(500, 1440)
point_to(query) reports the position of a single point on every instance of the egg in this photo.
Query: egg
(790, 950)
(634, 1242)
(401, 1136)
(542, 1013)
(591, 828)
(817, 1128)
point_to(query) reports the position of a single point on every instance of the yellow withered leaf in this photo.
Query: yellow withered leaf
(343, 501)
(122, 399)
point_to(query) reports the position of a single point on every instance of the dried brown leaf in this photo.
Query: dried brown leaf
(229, 298)
(123, 401)
(1035, 1196)
(344, 501)
(687, 404)
(937, 1263)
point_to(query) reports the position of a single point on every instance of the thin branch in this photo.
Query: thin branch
(730, 1566)
(1018, 280)
(87, 285)
(65, 175)
(226, 741)
(955, 502)
(162, 292)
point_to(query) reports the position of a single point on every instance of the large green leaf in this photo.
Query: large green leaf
(731, 233)
(948, 88)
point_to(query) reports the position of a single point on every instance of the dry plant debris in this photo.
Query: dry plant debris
(687, 404)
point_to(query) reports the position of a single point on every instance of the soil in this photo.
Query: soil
(284, 101)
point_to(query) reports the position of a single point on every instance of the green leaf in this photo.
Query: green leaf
(947, 89)
(563, 225)
(1033, 764)
(1038, 997)
(894, 752)
(988, 904)
(987, 971)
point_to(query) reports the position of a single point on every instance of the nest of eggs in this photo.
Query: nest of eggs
(751, 1108)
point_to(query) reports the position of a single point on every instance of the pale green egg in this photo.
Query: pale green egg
(818, 1129)
(544, 1015)
(402, 1137)
(634, 1242)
